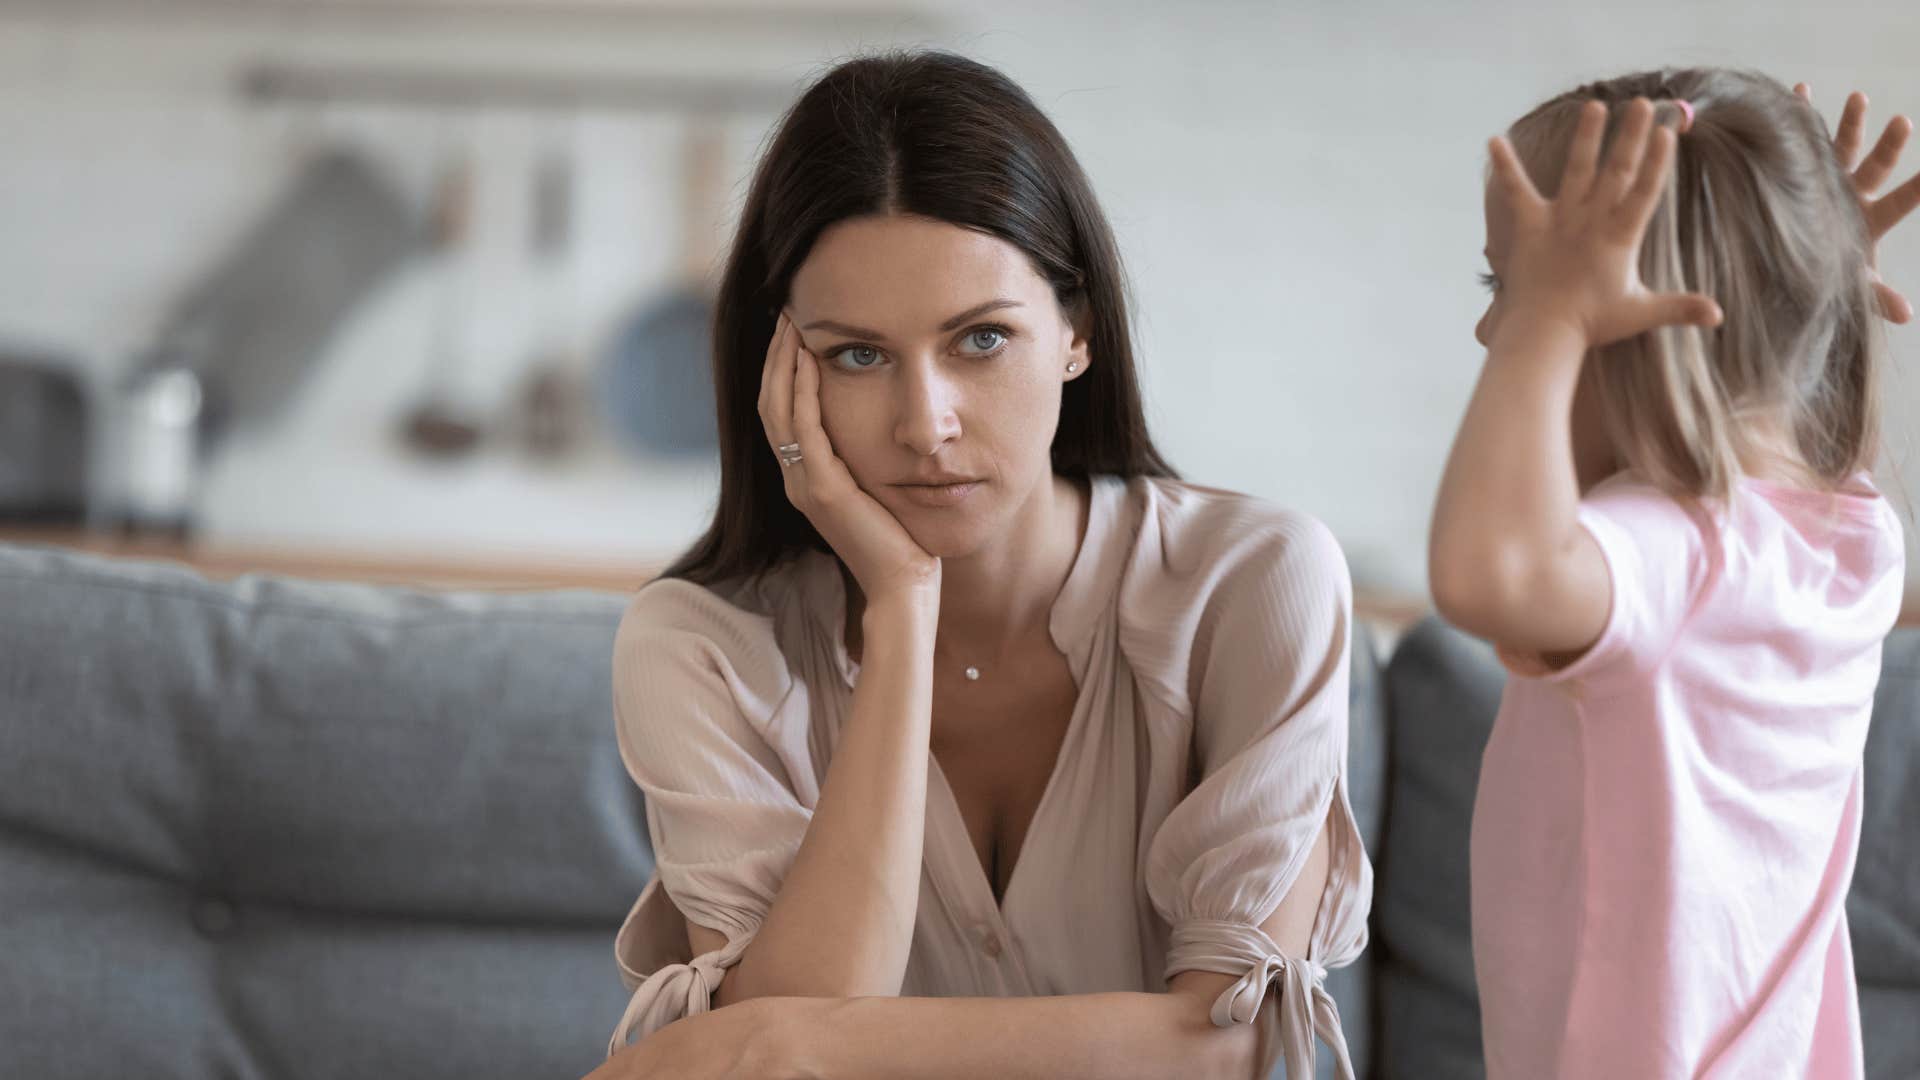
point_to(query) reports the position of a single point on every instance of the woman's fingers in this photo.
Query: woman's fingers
(765, 405)
(777, 402)
(828, 473)
(1884, 157)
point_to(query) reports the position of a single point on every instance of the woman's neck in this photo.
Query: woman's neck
(992, 600)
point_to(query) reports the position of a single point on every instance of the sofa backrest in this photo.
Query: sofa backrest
(268, 828)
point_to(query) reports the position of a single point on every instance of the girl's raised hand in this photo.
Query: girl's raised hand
(1886, 211)
(1575, 258)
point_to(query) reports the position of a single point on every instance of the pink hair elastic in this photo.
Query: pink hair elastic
(1686, 110)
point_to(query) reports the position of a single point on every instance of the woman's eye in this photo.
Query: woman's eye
(985, 340)
(858, 357)
(1489, 282)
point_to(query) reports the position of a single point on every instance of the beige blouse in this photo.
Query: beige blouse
(1208, 635)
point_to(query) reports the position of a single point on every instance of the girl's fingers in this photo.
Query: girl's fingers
(1804, 91)
(1585, 152)
(1893, 307)
(1651, 183)
(1678, 309)
(1624, 158)
(1893, 207)
(1515, 186)
(1885, 155)
(1853, 121)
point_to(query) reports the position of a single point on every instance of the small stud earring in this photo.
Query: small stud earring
(1073, 367)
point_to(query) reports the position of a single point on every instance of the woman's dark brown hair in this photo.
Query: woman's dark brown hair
(938, 136)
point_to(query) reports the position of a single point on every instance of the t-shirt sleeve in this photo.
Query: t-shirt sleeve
(699, 691)
(1658, 557)
(1270, 703)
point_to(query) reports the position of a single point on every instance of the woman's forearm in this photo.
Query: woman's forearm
(1116, 1036)
(843, 921)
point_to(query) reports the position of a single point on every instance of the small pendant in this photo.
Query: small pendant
(973, 674)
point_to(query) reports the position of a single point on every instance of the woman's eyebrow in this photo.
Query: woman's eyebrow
(951, 324)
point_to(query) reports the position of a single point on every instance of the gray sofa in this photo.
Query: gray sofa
(270, 828)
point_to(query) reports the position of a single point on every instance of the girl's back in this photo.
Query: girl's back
(1672, 820)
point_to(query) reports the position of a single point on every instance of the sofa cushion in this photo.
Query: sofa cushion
(1443, 689)
(275, 828)
(1883, 909)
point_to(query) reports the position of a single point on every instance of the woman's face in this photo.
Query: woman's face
(942, 355)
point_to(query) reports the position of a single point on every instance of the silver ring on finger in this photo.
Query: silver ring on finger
(789, 454)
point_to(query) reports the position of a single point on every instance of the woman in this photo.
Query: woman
(973, 742)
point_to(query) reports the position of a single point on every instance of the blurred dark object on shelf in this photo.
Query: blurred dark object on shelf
(656, 381)
(44, 438)
(438, 424)
(257, 323)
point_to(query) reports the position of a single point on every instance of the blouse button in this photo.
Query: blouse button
(991, 945)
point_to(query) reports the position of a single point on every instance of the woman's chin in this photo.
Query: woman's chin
(944, 534)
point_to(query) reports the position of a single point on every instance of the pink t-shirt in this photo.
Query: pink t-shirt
(1665, 830)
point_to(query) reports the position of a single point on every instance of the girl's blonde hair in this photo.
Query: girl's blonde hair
(1759, 215)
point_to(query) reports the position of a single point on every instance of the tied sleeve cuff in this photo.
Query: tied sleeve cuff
(1306, 1009)
(673, 992)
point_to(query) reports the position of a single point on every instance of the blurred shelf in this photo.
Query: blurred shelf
(490, 571)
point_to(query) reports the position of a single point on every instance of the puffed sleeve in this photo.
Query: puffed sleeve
(1267, 682)
(703, 707)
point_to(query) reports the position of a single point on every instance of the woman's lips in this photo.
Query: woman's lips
(938, 496)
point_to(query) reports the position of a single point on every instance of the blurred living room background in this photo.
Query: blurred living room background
(416, 289)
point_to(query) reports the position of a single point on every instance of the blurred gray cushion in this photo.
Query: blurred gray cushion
(272, 828)
(1884, 907)
(1443, 689)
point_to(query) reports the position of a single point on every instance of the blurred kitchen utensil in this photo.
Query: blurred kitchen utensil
(264, 315)
(656, 380)
(437, 426)
(549, 412)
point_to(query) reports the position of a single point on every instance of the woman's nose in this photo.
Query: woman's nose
(928, 416)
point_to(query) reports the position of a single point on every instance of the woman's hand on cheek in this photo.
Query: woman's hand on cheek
(882, 555)
(1886, 211)
(1574, 260)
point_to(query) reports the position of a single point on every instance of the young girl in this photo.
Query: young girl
(1658, 510)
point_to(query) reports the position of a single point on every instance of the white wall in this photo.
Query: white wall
(1295, 187)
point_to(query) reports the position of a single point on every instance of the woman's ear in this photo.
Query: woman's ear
(1079, 330)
